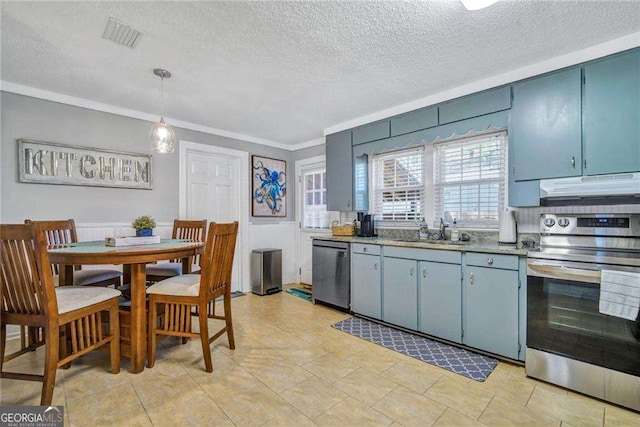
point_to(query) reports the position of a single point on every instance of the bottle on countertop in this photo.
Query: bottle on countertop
(423, 229)
(455, 233)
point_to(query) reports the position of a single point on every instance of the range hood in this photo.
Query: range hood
(625, 185)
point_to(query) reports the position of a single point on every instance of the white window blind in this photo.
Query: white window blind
(314, 205)
(469, 180)
(398, 185)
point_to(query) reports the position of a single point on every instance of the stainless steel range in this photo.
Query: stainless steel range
(577, 337)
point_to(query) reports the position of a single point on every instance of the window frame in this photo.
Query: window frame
(304, 172)
(500, 180)
(376, 191)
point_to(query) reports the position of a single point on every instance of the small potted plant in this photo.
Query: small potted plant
(144, 225)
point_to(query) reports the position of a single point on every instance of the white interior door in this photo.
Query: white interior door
(312, 212)
(212, 193)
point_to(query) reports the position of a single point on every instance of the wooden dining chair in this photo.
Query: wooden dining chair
(178, 296)
(194, 231)
(63, 232)
(29, 298)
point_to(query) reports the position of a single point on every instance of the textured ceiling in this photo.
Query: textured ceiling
(284, 71)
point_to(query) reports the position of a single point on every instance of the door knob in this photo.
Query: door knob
(490, 261)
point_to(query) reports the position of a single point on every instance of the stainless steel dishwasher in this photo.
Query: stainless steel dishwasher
(331, 279)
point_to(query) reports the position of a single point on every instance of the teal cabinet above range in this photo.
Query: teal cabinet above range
(612, 115)
(546, 127)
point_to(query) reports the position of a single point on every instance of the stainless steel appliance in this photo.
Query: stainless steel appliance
(331, 281)
(569, 341)
(266, 271)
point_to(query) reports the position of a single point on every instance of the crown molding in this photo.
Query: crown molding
(593, 52)
(19, 89)
(307, 144)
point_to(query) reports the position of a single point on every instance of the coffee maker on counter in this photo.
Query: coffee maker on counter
(366, 225)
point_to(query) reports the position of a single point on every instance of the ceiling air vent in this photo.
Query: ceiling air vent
(121, 33)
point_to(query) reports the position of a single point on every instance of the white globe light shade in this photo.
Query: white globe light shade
(162, 138)
(477, 4)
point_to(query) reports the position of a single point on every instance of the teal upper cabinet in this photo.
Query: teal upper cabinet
(339, 172)
(415, 120)
(475, 105)
(371, 132)
(546, 133)
(612, 115)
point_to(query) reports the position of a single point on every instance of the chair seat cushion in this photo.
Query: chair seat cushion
(72, 298)
(89, 277)
(168, 269)
(185, 285)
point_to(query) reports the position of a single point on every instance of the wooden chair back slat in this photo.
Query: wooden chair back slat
(58, 232)
(26, 289)
(217, 261)
(192, 230)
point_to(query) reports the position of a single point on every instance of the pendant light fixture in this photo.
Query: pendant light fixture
(477, 4)
(161, 137)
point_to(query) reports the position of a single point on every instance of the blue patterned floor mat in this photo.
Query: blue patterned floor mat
(458, 360)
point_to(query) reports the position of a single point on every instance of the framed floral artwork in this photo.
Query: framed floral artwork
(269, 187)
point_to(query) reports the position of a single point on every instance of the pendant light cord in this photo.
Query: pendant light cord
(162, 96)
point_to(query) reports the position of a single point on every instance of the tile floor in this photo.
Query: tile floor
(292, 368)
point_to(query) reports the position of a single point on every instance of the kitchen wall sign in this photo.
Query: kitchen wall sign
(269, 187)
(51, 163)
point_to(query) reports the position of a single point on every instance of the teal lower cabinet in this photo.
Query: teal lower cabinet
(400, 292)
(366, 288)
(491, 301)
(440, 300)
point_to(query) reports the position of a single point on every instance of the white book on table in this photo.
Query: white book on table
(131, 241)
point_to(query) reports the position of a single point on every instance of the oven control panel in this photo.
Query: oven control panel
(591, 224)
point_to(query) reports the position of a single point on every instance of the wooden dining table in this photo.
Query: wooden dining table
(134, 260)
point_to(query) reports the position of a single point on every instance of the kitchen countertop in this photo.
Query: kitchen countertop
(446, 245)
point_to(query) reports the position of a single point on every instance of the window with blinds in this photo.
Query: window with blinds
(469, 180)
(398, 185)
(314, 205)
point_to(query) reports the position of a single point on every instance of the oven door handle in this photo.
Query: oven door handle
(563, 273)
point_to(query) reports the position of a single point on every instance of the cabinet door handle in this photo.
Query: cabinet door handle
(375, 266)
(364, 249)
(490, 261)
(573, 162)
(424, 272)
(348, 203)
(585, 163)
(471, 278)
(412, 271)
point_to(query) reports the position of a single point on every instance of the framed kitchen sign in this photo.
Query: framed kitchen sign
(269, 187)
(51, 163)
